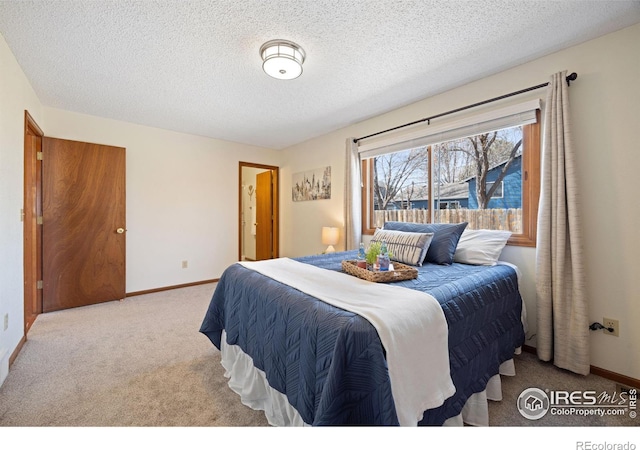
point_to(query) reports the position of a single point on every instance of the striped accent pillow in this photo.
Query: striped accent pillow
(445, 238)
(405, 247)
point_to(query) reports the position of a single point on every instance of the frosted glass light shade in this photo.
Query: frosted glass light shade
(282, 59)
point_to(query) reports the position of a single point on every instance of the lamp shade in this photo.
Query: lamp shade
(282, 59)
(330, 236)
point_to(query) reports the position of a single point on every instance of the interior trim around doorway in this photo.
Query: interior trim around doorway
(275, 206)
(32, 246)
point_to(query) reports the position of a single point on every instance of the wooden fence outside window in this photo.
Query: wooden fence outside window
(491, 219)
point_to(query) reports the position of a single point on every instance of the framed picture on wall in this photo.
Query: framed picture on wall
(311, 185)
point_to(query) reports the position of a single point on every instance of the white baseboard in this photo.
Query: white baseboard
(4, 365)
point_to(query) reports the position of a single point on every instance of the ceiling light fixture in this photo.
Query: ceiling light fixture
(282, 59)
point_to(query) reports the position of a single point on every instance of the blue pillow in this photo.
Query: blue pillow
(445, 238)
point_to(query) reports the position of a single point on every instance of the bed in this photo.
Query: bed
(307, 362)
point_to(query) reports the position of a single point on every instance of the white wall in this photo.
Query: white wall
(606, 109)
(16, 95)
(301, 222)
(182, 196)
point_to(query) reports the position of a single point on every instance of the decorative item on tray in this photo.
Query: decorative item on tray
(372, 256)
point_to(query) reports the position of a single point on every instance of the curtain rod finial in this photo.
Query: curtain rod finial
(571, 78)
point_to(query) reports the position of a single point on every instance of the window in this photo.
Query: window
(449, 205)
(498, 192)
(489, 179)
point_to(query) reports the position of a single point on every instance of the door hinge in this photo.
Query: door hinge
(39, 156)
(39, 284)
(39, 220)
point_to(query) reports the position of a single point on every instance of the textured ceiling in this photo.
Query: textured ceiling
(193, 66)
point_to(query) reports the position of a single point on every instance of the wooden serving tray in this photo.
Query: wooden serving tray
(400, 272)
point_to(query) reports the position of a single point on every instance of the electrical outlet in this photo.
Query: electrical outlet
(6, 322)
(611, 323)
(185, 264)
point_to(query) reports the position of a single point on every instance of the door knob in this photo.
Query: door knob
(120, 230)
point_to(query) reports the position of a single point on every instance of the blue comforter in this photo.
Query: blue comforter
(330, 363)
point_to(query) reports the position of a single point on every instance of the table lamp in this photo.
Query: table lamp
(330, 237)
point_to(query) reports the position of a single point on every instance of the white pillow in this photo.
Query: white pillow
(481, 247)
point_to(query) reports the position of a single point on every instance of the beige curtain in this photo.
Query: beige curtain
(352, 200)
(563, 322)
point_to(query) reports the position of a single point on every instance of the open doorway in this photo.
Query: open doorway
(258, 212)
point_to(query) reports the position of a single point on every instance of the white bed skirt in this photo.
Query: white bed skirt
(251, 385)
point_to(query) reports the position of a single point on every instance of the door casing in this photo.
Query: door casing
(32, 230)
(274, 203)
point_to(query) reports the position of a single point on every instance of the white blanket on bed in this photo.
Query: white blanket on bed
(411, 326)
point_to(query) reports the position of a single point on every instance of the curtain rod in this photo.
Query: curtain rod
(569, 79)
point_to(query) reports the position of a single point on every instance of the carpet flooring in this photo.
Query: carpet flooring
(141, 362)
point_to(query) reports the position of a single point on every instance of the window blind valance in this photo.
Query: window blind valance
(422, 135)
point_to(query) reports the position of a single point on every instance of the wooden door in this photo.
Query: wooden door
(264, 216)
(83, 223)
